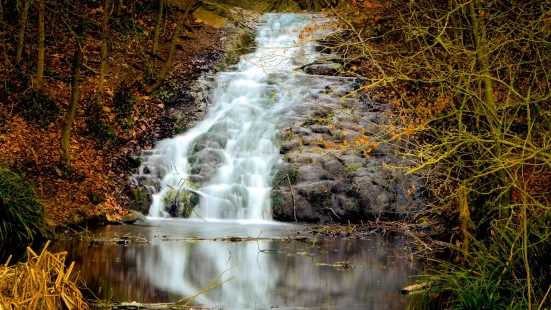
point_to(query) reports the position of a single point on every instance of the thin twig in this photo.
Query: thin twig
(293, 196)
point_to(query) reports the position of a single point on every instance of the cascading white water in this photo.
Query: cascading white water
(238, 137)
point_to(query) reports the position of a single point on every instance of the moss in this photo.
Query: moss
(244, 43)
(277, 201)
(319, 196)
(319, 118)
(293, 173)
(180, 203)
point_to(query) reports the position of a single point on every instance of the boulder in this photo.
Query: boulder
(322, 69)
(133, 217)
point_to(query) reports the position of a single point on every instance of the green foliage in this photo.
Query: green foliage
(353, 168)
(293, 172)
(96, 125)
(124, 102)
(180, 203)
(162, 94)
(496, 271)
(21, 212)
(39, 109)
(243, 44)
(277, 201)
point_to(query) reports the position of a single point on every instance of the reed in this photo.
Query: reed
(43, 282)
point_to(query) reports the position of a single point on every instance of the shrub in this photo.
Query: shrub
(499, 271)
(39, 109)
(124, 102)
(96, 125)
(21, 212)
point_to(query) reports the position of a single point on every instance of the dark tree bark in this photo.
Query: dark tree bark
(65, 157)
(21, 35)
(175, 35)
(103, 61)
(39, 83)
(158, 27)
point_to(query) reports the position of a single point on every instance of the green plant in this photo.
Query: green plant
(180, 203)
(124, 102)
(96, 125)
(277, 201)
(162, 94)
(293, 173)
(353, 168)
(496, 274)
(21, 212)
(39, 109)
(243, 44)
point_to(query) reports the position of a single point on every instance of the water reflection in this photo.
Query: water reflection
(268, 273)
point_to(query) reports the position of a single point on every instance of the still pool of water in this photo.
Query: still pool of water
(267, 273)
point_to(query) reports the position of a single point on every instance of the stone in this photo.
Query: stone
(322, 69)
(133, 217)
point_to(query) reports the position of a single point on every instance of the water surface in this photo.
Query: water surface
(229, 161)
(267, 273)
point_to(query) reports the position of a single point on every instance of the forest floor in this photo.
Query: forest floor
(100, 170)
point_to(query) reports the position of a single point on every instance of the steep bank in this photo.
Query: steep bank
(334, 168)
(105, 142)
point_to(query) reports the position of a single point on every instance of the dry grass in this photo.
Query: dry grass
(43, 282)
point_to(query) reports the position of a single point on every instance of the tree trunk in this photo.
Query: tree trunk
(40, 58)
(6, 63)
(65, 158)
(105, 37)
(21, 36)
(164, 70)
(490, 103)
(119, 8)
(158, 27)
(301, 5)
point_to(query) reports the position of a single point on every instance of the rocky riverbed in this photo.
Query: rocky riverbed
(336, 166)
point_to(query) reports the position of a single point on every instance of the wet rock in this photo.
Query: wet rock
(341, 184)
(288, 146)
(133, 217)
(140, 198)
(322, 69)
(319, 129)
(97, 220)
(140, 217)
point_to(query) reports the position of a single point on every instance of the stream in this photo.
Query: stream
(220, 174)
(330, 273)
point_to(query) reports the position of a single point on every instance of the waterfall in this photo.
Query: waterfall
(229, 160)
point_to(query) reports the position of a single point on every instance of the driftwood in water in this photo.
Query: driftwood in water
(134, 305)
(240, 239)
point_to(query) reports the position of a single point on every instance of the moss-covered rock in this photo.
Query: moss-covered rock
(277, 202)
(180, 203)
